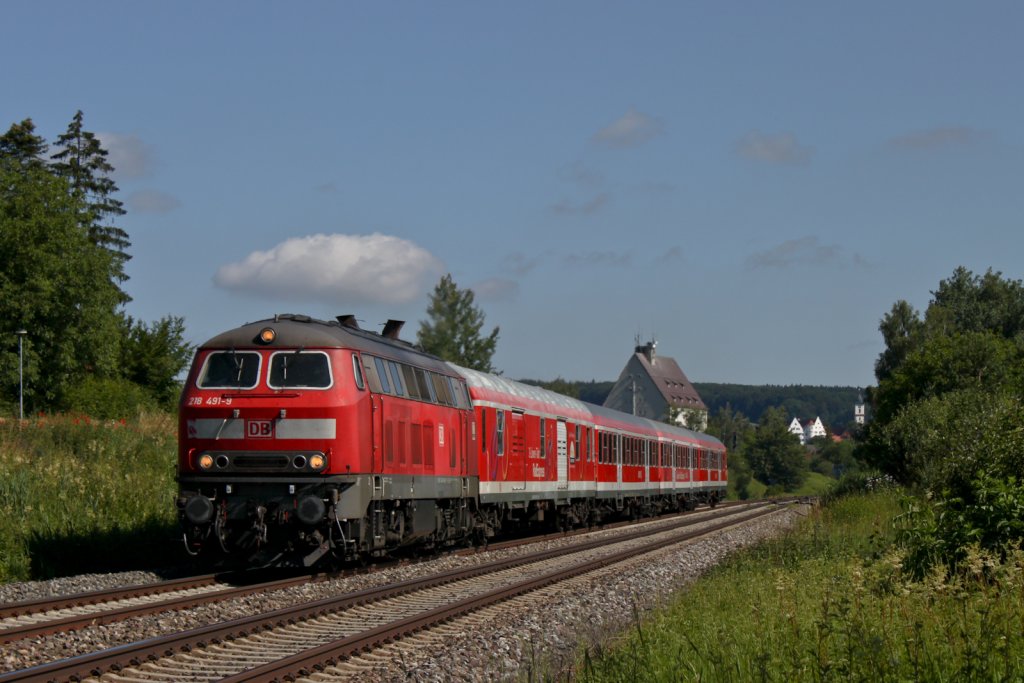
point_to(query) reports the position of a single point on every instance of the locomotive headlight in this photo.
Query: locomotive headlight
(205, 461)
(317, 461)
(267, 335)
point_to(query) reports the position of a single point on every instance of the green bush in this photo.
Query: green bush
(109, 398)
(947, 531)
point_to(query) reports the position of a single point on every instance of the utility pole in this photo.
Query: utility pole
(21, 375)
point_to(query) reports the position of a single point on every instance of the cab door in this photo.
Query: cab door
(377, 430)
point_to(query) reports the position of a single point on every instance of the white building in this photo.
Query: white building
(807, 431)
(796, 428)
(814, 429)
(858, 411)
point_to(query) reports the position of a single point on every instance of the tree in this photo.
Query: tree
(152, 356)
(774, 453)
(901, 329)
(971, 339)
(83, 162)
(558, 385)
(55, 283)
(21, 145)
(730, 426)
(734, 430)
(949, 421)
(453, 331)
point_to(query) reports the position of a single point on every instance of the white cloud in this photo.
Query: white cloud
(152, 201)
(353, 269)
(804, 251)
(631, 130)
(938, 138)
(782, 148)
(599, 259)
(673, 254)
(128, 154)
(587, 208)
(519, 263)
(582, 175)
(496, 289)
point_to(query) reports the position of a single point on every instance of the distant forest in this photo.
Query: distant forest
(834, 405)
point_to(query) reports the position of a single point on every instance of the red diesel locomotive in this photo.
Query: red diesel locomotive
(303, 438)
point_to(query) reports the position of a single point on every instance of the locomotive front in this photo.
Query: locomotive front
(269, 441)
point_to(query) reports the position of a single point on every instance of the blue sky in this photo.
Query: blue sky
(753, 185)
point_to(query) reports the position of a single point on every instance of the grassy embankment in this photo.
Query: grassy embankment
(79, 495)
(828, 602)
(815, 485)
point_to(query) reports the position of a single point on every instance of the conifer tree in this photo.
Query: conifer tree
(83, 162)
(453, 330)
(21, 146)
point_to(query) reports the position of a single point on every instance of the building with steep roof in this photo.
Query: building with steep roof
(811, 429)
(655, 387)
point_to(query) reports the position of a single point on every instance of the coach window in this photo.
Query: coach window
(441, 389)
(456, 390)
(382, 374)
(578, 451)
(410, 382)
(426, 391)
(396, 378)
(230, 370)
(357, 372)
(543, 443)
(499, 432)
(370, 374)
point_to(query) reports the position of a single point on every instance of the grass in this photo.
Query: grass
(829, 602)
(80, 495)
(815, 485)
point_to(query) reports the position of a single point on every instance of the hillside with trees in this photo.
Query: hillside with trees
(834, 405)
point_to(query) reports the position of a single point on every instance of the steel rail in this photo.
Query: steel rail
(115, 613)
(17, 609)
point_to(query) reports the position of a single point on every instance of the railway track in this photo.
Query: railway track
(67, 613)
(299, 640)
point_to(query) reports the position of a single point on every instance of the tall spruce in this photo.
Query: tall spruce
(453, 331)
(83, 162)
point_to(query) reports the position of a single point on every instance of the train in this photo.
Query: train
(304, 441)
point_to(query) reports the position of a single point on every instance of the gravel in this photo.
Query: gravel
(542, 632)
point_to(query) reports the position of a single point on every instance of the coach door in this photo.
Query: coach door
(563, 456)
(618, 470)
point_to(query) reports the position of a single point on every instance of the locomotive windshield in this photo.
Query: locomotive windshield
(230, 370)
(296, 369)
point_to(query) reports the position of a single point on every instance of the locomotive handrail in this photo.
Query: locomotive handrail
(251, 395)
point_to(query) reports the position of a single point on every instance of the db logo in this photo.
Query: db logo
(259, 429)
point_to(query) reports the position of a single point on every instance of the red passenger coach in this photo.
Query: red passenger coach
(300, 438)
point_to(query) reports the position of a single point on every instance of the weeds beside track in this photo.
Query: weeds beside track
(828, 602)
